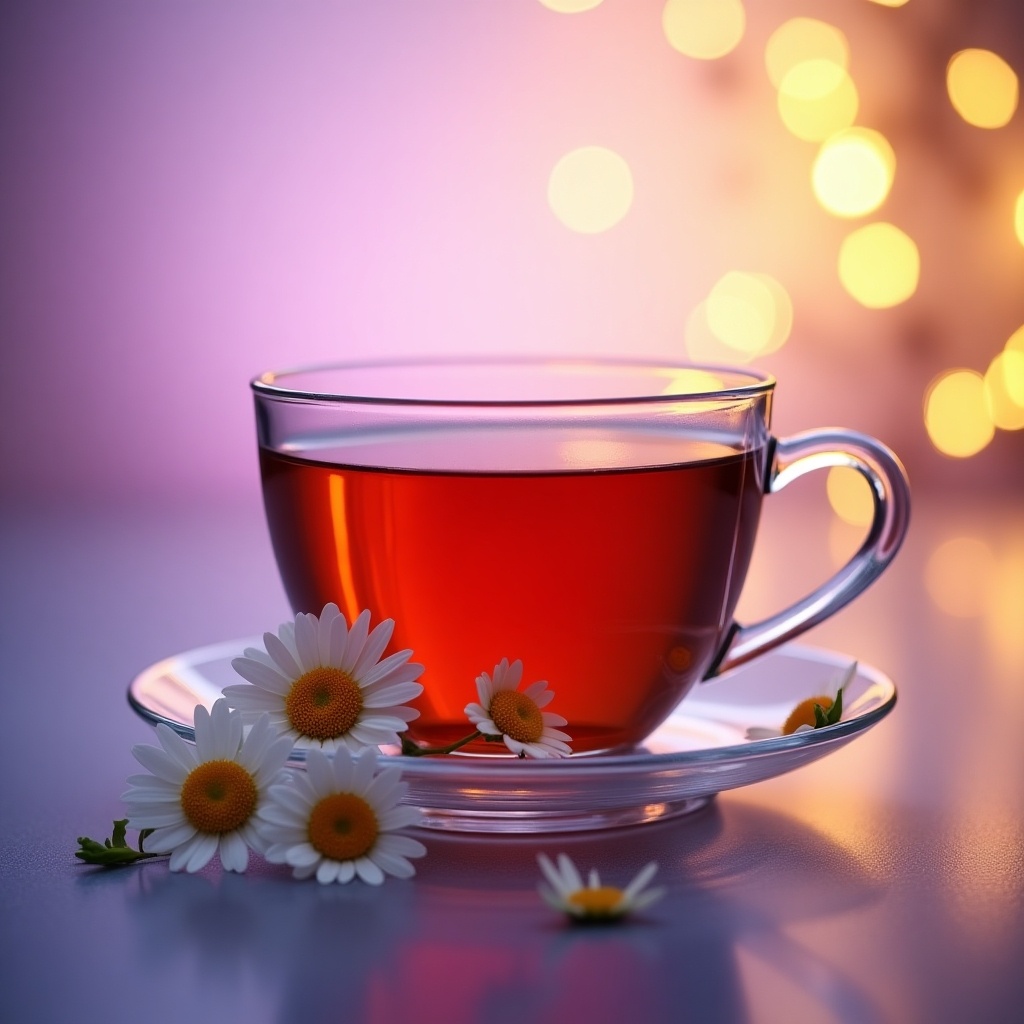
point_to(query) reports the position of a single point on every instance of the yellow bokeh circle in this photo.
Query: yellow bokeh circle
(750, 313)
(879, 265)
(853, 172)
(1004, 390)
(816, 99)
(982, 87)
(704, 29)
(956, 413)
(590, 189)
(801, 39)
(1018, 218)
(850, 496)
(570, 6)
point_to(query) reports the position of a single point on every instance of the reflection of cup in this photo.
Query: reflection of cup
(595, 519)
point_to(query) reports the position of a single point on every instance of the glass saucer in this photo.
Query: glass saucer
(698, 752)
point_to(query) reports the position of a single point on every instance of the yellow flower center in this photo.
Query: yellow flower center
(343, 826)
(517, 716)
(323, 703)
(604, 901)
(218, 796)
(803, 713)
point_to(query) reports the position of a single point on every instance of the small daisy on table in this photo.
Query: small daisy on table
(811, 713)
(203, 800)
(594, 901)
(337, 820)
(324, 685)
(515, 715)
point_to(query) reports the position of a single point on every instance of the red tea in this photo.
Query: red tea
(615, 585)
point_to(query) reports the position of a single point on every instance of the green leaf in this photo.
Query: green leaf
(835, 713)
(820, 717)
(115, 851)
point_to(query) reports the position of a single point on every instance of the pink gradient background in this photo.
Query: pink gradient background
(191, 194)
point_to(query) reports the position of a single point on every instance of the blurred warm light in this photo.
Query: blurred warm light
(1006, 608)
(801, 39)
(1004, 390)
(853, 172)
(590, 189)
(956, 413)
(959, 575)
(879, 265)
(703, 347)
(1016, 341)
(1018, 218)
(751, 313)
(705, 29)
(982, 87)
(692, 382)
(817, 98)
(890, 3)
(850, 496)
(570, 6)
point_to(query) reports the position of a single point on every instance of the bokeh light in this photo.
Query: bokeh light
(959, 575)
(705, 29)
(956, 413)
(692, 382)
(817, 98)
(1004, 390)
(750, 313)
(590, 189)
(801, 39)
(1015, 343)
(1018, 218)
(982, 87)
(570, 6)
(850, 496)
(890, 3)
(879, 265)
(853, 172)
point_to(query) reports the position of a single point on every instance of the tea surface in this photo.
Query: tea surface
(615, 585)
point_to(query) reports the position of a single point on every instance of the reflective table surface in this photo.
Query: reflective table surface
(882, 883)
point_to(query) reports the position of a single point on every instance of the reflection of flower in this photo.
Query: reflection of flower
(805, 716)
(338, 820)
(324, 684)
(515, 715)
(594, 901)
(202, 800)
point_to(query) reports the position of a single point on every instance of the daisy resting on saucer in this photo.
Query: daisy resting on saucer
(338, 820)
(515, 715)
(594, 901)
(203, 800)
(803, 717)
(324, 684)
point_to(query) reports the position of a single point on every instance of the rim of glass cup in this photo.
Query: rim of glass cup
(758, 383)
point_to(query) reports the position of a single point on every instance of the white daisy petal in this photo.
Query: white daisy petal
(339, 639)
(363, 768)
(176, 747)
(234, 854)
(356, 639)
(395, 668)
(368, 871)
(569, 873)
(392, 864)
(164, 840)
(553, 875)
(346, 872)
(244, 697)
(260, 675)
(320, 773)
(328, 617)
(302, 855)
(374, 646)
(389, 695)
(307, 642)
(159, 762)
(203, 848)
(305, 871)
(282, 656)
(401, 846)
(328, 871)
(400, 817)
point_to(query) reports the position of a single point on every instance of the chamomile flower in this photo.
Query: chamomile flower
(324, 684)
(337, 820)
(203, 800)
(803, 717)
(594, 901)
(515, 715)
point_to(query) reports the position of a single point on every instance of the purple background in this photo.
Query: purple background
(193, 193)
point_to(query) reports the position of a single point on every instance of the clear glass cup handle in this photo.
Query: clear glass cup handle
(791, 458)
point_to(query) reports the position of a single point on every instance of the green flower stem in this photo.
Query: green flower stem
(115, 851)
(412, 749)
